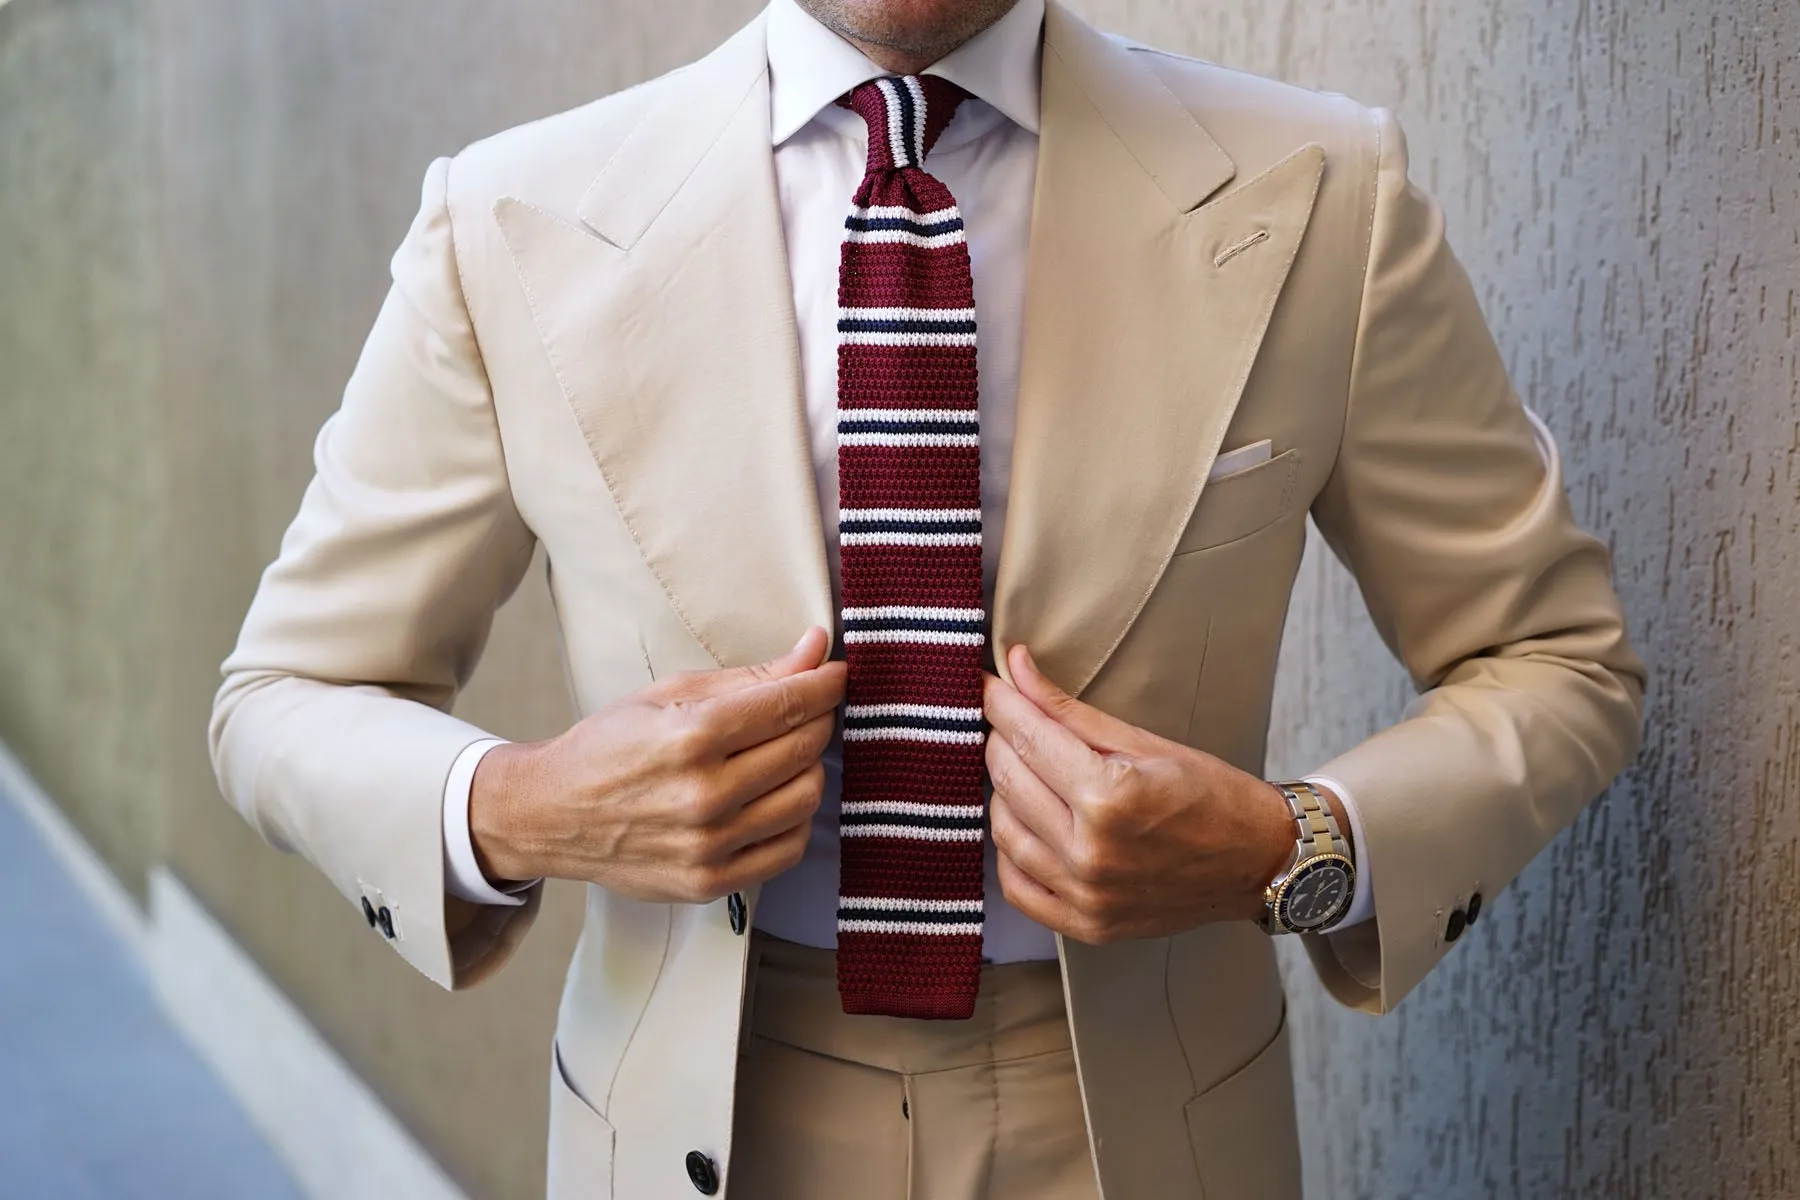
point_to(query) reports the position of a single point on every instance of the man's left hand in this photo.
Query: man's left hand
(1105, 831)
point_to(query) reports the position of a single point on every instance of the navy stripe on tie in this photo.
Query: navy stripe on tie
(908, 325)
(908, 133)
(846, 425)
(922, 228)
(866, 526)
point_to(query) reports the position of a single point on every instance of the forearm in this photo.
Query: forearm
(352, 778)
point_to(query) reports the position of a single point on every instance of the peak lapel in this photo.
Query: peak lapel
(1145, 311)
(668, 317)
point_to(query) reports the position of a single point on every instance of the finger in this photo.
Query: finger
(776, 811)
(767, 765)
(1054, 754)
(806, 654)
(762, 861)
(765, 710)
(1099, 730)
(1032, 898)
(1015, 841)
(1029, 798)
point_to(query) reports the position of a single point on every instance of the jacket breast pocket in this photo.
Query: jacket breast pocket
(1242, 503)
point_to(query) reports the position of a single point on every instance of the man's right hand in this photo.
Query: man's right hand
(700, 784)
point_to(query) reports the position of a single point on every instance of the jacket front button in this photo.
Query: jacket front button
(1459, 920)
(701, 1173)
(734, 905)
(386, 919)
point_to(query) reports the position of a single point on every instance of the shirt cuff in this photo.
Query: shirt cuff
(463, 876)
(1362, 904)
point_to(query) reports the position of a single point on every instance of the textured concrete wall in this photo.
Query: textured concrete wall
(80, 490)
(1623, 181)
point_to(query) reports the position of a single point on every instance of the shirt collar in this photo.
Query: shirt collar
(810, 66)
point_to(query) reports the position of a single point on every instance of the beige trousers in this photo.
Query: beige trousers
(831, 1104)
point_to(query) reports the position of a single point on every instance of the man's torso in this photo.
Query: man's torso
(624, 269)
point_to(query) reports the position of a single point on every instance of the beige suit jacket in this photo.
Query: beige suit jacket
(590, 344)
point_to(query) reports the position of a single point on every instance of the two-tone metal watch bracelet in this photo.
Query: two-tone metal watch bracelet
(1313, 819)
(1319, 842)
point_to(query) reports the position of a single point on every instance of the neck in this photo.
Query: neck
(898, 61)
(906, 36)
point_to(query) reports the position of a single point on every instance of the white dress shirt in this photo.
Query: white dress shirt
(987, 157)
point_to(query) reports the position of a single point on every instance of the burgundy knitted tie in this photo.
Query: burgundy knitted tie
(909, 528)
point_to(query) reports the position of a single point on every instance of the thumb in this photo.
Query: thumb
(1099, 730)
(806, 654)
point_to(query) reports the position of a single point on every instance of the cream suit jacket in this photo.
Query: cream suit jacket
(589, 345)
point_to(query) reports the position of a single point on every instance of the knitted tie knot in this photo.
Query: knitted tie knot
(905, 115)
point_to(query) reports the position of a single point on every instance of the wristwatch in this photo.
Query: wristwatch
(1313, 892)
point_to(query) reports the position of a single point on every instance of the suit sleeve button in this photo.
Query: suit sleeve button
(1459, 921)
(368, 912)
(734, 905)
(386, 920)
(1474, 907)
(701, 1173)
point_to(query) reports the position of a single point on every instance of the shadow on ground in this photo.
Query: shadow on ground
(99, 1096)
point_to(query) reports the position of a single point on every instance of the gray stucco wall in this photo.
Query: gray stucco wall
(80, 473)
(1623, 180)
(197, 204)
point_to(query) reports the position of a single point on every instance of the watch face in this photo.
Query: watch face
(1317, 893)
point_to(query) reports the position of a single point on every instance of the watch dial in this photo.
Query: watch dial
(1320, 893)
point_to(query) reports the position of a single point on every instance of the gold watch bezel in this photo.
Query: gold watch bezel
(1275, 895)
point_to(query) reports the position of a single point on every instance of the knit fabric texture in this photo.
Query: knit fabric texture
(909, 528)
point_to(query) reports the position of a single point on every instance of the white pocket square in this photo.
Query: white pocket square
(1241, 459)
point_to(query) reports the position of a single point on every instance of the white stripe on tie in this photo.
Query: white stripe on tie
(887, 612)
(910, 514)
(936, 216)
(896, 135)
(902, 733)
(907, 237)
(906, 808)
(906, 314)
(847, 925)
(870, 338)
(909, 439)
(907, 905)
(916, 833)
(907, 539)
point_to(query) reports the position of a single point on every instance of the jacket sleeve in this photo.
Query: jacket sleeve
(331, 733)
(1447, 505)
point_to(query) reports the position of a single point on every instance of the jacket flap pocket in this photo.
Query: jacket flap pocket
(581, 1141)
(1242, 1129)
(1237, 505)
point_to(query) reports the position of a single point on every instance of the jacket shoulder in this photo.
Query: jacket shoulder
(552, 159)
(1258, 120)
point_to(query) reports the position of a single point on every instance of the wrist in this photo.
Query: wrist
(1271, 845)
(502, 797)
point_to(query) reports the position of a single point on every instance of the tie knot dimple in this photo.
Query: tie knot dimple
(905, 115)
